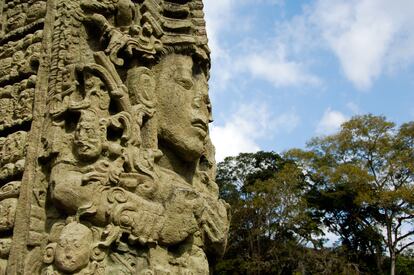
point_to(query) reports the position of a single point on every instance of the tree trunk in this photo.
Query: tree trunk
(378, 260)
(393, 260)
(390, 243)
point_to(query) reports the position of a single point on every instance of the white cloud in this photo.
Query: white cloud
(229, 140)
(248, 124)
(330, 122)
(359, 33)
(367, 36)
(274, 66)
(237, 134)
(265, 61)
(218, 15)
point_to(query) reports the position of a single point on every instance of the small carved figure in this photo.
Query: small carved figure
(5, 66)
(36, 11)
(76, 182)
(5, 245)
(89, 136)
(19, 63)
(23, 109)
(96, 94)
(16, 18)
(73, 248)
(15, 146)
(72, 253)
(123, 36)
(7, 214)
(10, 190)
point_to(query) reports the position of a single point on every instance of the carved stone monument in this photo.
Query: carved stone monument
(106, 164)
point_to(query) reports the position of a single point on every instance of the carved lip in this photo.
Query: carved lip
(83, 146)
(201, 124)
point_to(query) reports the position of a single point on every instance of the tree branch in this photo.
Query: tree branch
(404, 236)
(398, 251)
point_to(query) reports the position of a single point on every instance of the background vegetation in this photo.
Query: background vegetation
(357, 184)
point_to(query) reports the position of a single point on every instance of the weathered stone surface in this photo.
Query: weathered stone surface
(106, 164)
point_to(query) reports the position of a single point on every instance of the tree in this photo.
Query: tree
(270, 223)
(362, 183)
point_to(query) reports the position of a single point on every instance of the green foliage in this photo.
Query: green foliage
(405, 265)
(358, 183)
(269, 214)
(362, 184)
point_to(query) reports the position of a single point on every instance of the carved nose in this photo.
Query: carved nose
(197, 102)
(69, 255)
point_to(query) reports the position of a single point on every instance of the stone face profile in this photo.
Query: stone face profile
(106, 163)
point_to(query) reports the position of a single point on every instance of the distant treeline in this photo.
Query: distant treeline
(357, 184)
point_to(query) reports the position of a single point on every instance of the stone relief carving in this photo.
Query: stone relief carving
(12, 153)
(20, 64)
(17, 103)
(8, 203)
(123, 182)
(21, 34)
(78, 249)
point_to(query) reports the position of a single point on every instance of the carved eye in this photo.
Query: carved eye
(208, 103)
(62, 243)
(88, 84)
(186, 83)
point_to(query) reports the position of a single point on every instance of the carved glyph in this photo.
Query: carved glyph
(107, 166)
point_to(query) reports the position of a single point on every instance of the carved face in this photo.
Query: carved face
(5, 245)
(88, 137)
(72, 250)
(16, 19)
(183, 106)
(7, 214)
(37, 10)
(8, 149)
(98, 97)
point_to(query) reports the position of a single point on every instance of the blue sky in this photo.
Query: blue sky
(284, 71)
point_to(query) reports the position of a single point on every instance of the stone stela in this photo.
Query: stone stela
(106, 163)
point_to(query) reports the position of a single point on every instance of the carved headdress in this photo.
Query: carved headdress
(184, 26)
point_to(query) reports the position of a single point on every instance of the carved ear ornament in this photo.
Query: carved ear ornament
(123, 121)
(98, 254)
(10, 190)
(49, 253)
(85, 210)
(104, 74)
(141, 83)
(110, 235)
